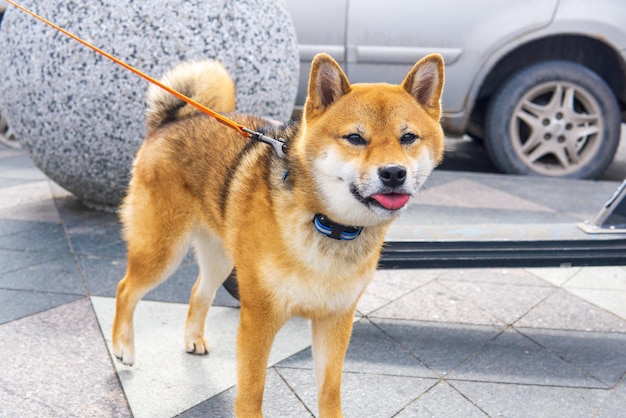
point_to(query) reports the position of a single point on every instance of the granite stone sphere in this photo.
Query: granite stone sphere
(81, 116)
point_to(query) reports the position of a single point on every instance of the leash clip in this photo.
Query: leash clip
(279, 145)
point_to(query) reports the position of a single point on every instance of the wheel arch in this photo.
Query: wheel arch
(590, 52)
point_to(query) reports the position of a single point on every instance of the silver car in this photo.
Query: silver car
(542, 82)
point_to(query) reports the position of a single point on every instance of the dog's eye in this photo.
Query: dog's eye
(408, 138)
(355, 139)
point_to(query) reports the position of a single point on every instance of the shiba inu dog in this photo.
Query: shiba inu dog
(304, 231)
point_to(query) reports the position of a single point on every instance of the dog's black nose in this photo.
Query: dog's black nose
(392, 175)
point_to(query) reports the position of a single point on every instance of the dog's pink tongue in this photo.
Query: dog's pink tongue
(391, 201)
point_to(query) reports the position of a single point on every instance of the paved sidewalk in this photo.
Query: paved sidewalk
(547, 342)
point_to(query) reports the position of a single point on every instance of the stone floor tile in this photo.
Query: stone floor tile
(601, 355)
(43, 236)
(58, 275)
(563, 310)
(523, 401)
(15, 304)
(555, 275)
(13, 260)
(515, 276)
(615, 405)
(441, 347)
(613, 301)
(507, 302)
(278, 401)
(441, 401)
(41, 209)
(580, 199)
(602, 278)
(102, 275)
(364, 395)
(55, 364)
(435, 302)
(472, 194)
(166, 380)
(12, 226)
(389, 285)
(513, 358)
(370, 351)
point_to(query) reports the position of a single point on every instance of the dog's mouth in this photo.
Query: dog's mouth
(391, 201)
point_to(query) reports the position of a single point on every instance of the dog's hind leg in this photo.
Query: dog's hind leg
(145, 270)
(215, 266)
(156, 246)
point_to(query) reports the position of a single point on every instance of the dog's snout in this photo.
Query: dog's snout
(392, 175)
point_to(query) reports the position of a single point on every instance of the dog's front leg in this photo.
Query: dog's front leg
(331, 335)
(257, 328)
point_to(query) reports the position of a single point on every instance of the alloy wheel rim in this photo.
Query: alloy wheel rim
(556, 128)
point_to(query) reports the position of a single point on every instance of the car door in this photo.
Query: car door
(386, 37)
(320, 27)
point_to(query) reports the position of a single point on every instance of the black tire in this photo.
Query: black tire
(555, 118)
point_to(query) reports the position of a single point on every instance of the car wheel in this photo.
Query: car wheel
(554, 118)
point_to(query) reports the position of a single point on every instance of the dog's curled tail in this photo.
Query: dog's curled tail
(207, 82)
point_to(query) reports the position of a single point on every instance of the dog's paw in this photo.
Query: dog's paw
(197, 345)
(126, 355)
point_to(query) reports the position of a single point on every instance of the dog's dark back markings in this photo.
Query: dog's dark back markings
(250, 147)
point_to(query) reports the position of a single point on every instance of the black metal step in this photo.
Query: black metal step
(455, 254)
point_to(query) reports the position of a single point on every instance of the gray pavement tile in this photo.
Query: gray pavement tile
(102, 274)
(602, 355)
(20, 167)
(370, 351)
(555, 275)
(564, 311)
(435, 302)
(515, 276)
(363, 395)
(12, 260)
(468, 193)
(441, 401)
(42, 236)
(615, 405)
(12, 226)
(441, 347)
(40, 209)
(98, 239)
(9, 182)
(507, 302)
(55, 364)
(581, 199)
(600, 278)
(389, 285)
(278, 401)
(58, 275)
(513, 358)
(525, 401)
(15, 304)
(455, 215)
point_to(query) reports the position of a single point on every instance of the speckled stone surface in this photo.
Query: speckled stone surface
(81, 116)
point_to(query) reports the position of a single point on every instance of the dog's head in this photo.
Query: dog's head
(370, 147)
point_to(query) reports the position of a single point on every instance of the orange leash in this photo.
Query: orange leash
(279, 146)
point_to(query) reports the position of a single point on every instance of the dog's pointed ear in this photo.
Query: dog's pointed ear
(327, 83)
(425, 83)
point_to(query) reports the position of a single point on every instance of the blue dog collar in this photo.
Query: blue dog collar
(333, 230)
